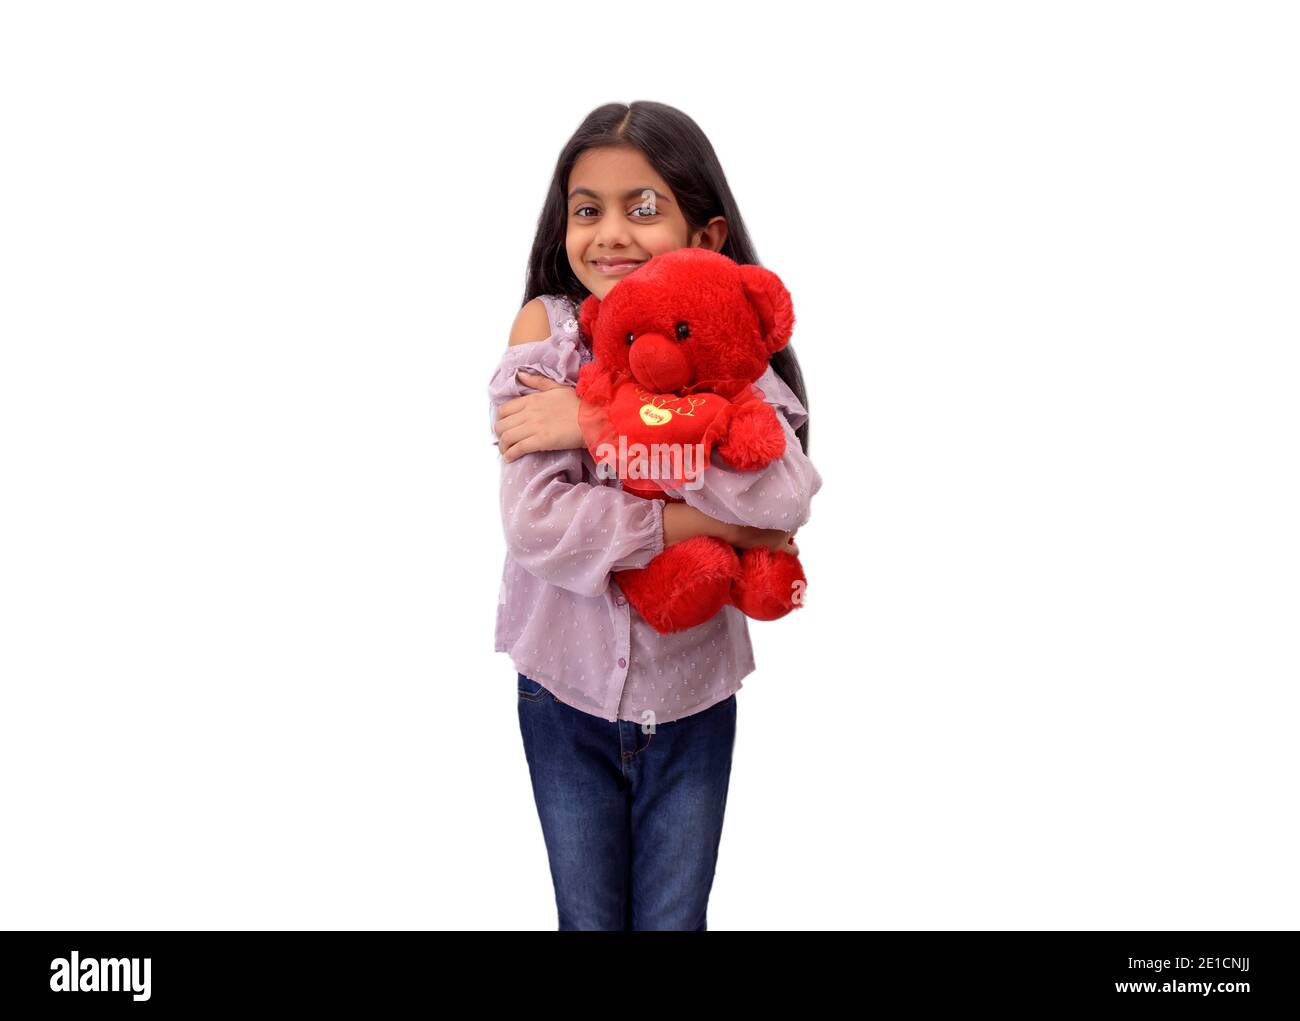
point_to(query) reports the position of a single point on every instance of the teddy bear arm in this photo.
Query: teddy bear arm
(754, 438)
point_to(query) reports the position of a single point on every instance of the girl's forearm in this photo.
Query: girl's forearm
(681, 521)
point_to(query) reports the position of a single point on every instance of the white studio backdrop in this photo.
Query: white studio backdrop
(258, 262)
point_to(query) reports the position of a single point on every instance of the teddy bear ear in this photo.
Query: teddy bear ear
(587, 316)
(771, 303)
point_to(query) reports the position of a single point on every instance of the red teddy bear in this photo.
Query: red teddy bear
(677, 346)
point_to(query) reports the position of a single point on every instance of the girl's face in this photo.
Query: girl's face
(621, 214)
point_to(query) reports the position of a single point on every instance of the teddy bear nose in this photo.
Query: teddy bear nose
(658, 363)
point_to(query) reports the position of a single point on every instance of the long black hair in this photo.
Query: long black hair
(680, 152)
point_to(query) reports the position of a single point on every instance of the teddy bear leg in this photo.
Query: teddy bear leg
(769, 585)
(684, 585)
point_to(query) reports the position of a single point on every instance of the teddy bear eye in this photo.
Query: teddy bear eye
(630, 336)
(683, 331)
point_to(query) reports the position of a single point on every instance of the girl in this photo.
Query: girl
(628, 733)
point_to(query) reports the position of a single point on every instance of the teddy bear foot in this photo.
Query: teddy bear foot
(684, 585)
(770, 584)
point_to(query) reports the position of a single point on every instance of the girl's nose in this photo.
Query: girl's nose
(613, 236)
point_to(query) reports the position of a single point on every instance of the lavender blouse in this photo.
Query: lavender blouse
(560, 616)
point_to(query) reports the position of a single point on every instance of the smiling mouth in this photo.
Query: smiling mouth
(619, 266)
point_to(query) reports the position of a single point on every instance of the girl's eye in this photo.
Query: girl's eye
(649, 211)
(683, 331)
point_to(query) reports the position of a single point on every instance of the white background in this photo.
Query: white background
(258, 261)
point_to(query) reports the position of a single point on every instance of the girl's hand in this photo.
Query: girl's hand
(547, 420)
(746, 536)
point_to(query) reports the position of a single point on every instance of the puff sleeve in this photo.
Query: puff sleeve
(571, 532)
(558, 357)
(778, 496)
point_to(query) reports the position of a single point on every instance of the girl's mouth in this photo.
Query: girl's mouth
(615, 269)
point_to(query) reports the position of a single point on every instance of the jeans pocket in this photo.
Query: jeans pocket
(531, 690)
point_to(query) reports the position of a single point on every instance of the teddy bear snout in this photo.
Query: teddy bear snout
(659, 364)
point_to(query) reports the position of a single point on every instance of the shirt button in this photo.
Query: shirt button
(622, 661)
(621, 600)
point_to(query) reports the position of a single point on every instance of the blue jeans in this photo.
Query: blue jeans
(631, 820)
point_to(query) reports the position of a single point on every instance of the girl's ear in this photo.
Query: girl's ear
(587, 317)
(771, 303)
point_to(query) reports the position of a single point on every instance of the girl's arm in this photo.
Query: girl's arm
(558, 526)
(573, 533)
(539, 412)
(776, 497)
(682, 521)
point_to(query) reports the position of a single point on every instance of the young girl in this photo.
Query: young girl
(628, 733)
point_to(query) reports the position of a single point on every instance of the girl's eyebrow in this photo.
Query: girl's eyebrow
(631, 193)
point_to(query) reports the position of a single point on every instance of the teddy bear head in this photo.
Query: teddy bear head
(690, 320)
